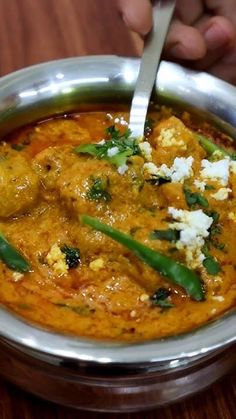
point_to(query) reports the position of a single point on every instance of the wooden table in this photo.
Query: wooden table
(33, 31)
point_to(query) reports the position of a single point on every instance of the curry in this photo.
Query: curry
(111, 237)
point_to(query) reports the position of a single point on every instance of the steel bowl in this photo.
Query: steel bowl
(84, 373)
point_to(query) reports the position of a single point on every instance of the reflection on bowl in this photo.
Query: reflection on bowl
(120, 377)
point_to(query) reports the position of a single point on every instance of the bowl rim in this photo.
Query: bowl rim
(215, 335)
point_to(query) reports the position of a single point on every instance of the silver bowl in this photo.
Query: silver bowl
(108, 376)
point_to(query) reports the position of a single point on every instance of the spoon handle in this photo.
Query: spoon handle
(162, 14)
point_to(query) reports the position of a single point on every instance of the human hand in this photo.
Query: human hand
(202, 33)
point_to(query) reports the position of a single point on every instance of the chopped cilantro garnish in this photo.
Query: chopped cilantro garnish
(72, 256)
(17, 147)
(214, 230)
(194, 198)
(126, 146)
(98, 190)
(158, 180)
(160, 298)
(213, 214)
(115, 133)
(211, 265)
(169, 235)
(209, 187)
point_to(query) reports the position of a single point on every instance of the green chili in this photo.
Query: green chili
(175, 271)
(11, 257)
(210, 146)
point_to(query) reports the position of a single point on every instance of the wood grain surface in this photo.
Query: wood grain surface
(33, 31)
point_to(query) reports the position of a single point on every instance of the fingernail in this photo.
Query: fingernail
(216, 38)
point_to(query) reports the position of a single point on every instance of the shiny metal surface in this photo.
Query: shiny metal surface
(66, 366)
(71, 384)
(153, 45)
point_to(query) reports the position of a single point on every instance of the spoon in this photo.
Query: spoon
(162, 14)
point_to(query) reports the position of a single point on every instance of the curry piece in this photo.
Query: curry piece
(165, 192)
(19, 184)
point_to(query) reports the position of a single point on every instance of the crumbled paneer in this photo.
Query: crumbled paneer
(200, 184)
(146, 150)
(193, 254)
(178, 172)
(144, 298)
(219, 298)
(221, 194)
(167, 138)
(217, 170)
(150, 169)
(17, 276)
(56, 259)
(112, 151)
(181, 169)
(133, 313)
(232, 216)
(193, 227)
(120, 120)
(97, 264)
(122, 169)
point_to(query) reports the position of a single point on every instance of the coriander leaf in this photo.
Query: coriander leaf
(211, 265)
(98, 190)
(209, 187)
(213, 214)
(215, 229)
(116, 134)
(125, 146)
(233, 156)
(202, 201)
(160, 298)
(215, 243)
(169, 235)
(72, 256)
(158, 180)
(194, 198)
(17, 147)
(120, 158)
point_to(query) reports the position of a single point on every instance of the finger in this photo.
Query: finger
(219, 34)
(184, 42)
(188, 11)
(225, 8)
(137, 15)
